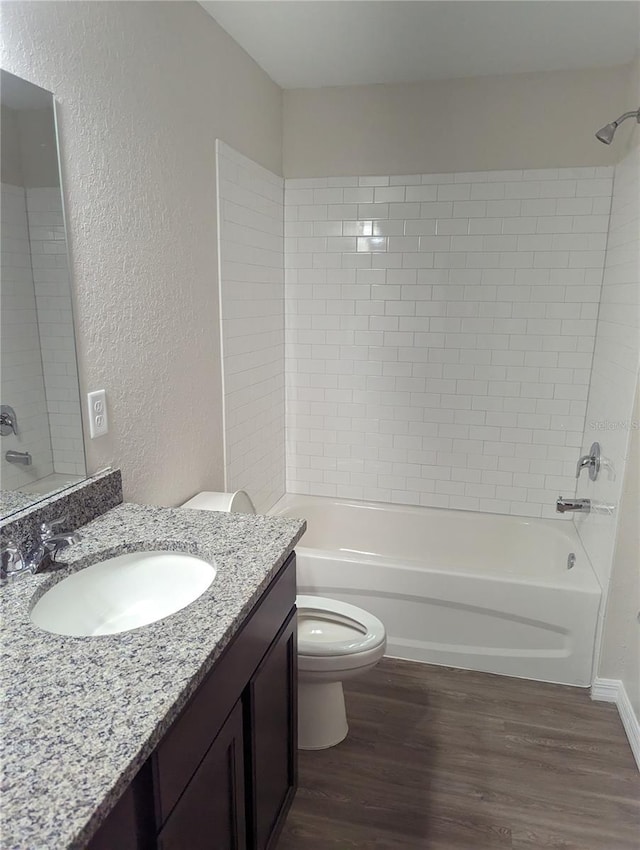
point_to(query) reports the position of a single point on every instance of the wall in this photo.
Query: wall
(542, 120)
(251, 216)
(615, 367)
(620, 657)
(440, 333)
(610, 527)
(22, 385)
(144, 89)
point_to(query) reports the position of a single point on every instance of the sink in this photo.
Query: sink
(123, 593)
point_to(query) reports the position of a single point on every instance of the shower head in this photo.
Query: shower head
(605, 134)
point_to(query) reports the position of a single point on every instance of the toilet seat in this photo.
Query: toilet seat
(328, 628)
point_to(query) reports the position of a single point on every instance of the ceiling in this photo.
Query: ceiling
(313, 43)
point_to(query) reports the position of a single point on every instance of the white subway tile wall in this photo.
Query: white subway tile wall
(616, 362)
(22, 382)
(440, 330)
(250, 228)
(55, 321)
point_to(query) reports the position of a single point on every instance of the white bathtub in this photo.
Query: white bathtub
(479, 591)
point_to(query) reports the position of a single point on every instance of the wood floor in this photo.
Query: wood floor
(443, 759)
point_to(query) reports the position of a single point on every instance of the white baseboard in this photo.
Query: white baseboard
(606, 690)
(613, 690)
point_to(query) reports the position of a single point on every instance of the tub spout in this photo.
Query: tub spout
(563, 505)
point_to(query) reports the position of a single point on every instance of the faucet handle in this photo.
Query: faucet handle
(50, 529)
(590, 462)
(13, 561)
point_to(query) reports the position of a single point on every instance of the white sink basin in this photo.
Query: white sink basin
(122, 593)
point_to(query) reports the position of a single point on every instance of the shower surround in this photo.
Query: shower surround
(435, 333)
(440, 332)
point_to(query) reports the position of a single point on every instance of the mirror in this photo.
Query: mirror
(41, 441)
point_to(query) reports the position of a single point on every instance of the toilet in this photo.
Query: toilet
(234, 503)
(336, 641)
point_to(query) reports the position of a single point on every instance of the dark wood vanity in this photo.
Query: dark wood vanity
(224, 775)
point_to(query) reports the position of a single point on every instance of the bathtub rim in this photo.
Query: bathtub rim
(587, 582)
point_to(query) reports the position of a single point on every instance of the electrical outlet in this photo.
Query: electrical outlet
(98, 421)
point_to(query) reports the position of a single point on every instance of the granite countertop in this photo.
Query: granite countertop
(81, 715)
(15, 500)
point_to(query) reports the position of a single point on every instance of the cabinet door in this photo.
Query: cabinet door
(121, 828)
(271, 729)
(129, 826)
(210, 814)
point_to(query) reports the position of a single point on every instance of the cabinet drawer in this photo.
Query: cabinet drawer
(182, 749)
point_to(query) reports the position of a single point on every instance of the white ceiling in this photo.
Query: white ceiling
(313, 43)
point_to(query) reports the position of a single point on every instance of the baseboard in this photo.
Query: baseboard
(606, 690)
(613, 690)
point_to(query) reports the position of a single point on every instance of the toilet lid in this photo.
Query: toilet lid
(330, 627)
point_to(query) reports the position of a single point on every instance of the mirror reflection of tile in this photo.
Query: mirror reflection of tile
(42, 451)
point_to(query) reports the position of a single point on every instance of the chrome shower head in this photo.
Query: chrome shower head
(605, 134)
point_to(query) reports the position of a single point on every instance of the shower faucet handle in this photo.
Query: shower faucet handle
(591, 462)
(8, 420)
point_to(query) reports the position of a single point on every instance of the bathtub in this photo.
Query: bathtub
(479, 591)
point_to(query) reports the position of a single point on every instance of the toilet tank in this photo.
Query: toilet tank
(235, 503)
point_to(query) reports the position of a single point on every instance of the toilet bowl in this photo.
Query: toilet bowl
(336, 641)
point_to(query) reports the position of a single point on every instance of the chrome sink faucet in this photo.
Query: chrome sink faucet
(16, 563)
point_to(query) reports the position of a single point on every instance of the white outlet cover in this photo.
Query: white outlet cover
(97, 409)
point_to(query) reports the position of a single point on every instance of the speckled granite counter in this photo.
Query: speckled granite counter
(14, 500)
(81, 715)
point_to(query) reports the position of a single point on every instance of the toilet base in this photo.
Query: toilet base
(322, 718)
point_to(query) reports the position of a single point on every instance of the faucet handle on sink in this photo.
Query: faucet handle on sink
(51, 541)
(13, 561)
(49, 529)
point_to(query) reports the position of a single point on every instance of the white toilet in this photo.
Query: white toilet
(336, 641)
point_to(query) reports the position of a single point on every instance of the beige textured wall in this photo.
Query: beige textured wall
(542, 120)
(144, 89)
(620, 657)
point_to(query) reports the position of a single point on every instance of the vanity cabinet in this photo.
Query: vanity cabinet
(272, 738)
(210, 814)
(224, 775)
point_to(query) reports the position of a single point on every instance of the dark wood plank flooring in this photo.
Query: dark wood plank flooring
(443, 759)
